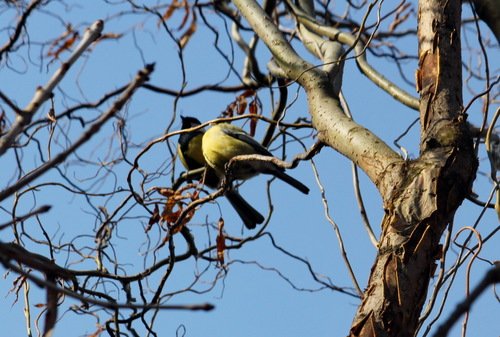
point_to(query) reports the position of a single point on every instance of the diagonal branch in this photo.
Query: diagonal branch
(42, 94)
(491, 277)
(348, 39)
(284, 54)
(141, 77)
(334, 128)
(21, 22)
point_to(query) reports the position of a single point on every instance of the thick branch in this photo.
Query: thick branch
(348, 39)
(430, 189)
(263, 26)
(439, 77)
(335, 129)
(489, 12)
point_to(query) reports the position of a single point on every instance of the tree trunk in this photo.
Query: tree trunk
(422, 202)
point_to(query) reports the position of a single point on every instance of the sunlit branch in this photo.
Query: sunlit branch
(283, 52)
(357, 189)
(308, 155)
(334, 128)
(359, 47)
(42, 94)
(141, 77)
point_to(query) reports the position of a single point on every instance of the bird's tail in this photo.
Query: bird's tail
(291, 181)
(249, 215)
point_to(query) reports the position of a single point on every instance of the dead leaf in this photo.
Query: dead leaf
(252, 108)
(170, 10)
(68, 39)
(155, 218)
(242, 104)
(188, 33)
(221, 243)
(247, 93)
(229, 112)
(187, 11)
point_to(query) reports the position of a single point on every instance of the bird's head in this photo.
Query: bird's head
(189, 122)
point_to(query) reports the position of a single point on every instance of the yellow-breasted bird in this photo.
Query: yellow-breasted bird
(224, 141)
(191, 155)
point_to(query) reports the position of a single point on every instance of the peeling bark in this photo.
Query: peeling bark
(429, 189)
(420, 196)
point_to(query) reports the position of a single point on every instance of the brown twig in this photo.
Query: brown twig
(42, 94)
(21, 23)
(309, 154)
(39, 210)
(141, 77)
(491, 277)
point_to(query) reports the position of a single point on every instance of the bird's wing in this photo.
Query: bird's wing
(244, 137)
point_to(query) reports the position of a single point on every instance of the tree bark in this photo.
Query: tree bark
(429, 190)
(420, 196)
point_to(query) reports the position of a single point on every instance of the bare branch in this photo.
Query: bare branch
(308, 155)
(363, 64)
(44, 93)
(21, 22)
(140, 78)
(336, 228)
(491, 277)
(110, 305)
(283, 52)
(334, 127)
(39, 210)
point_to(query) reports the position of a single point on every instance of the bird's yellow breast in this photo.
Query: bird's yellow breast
(191, 155)
(219, 147)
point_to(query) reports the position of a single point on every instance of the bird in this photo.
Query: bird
(189, 150)
(224, 141)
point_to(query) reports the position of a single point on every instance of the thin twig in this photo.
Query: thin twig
(491, 277)
(105, 304)
(141, 77)
(370, 72)
(469, 266)
(21, 23)
(309, 154)
(44, 93)
(337, 232)
(39, 210)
